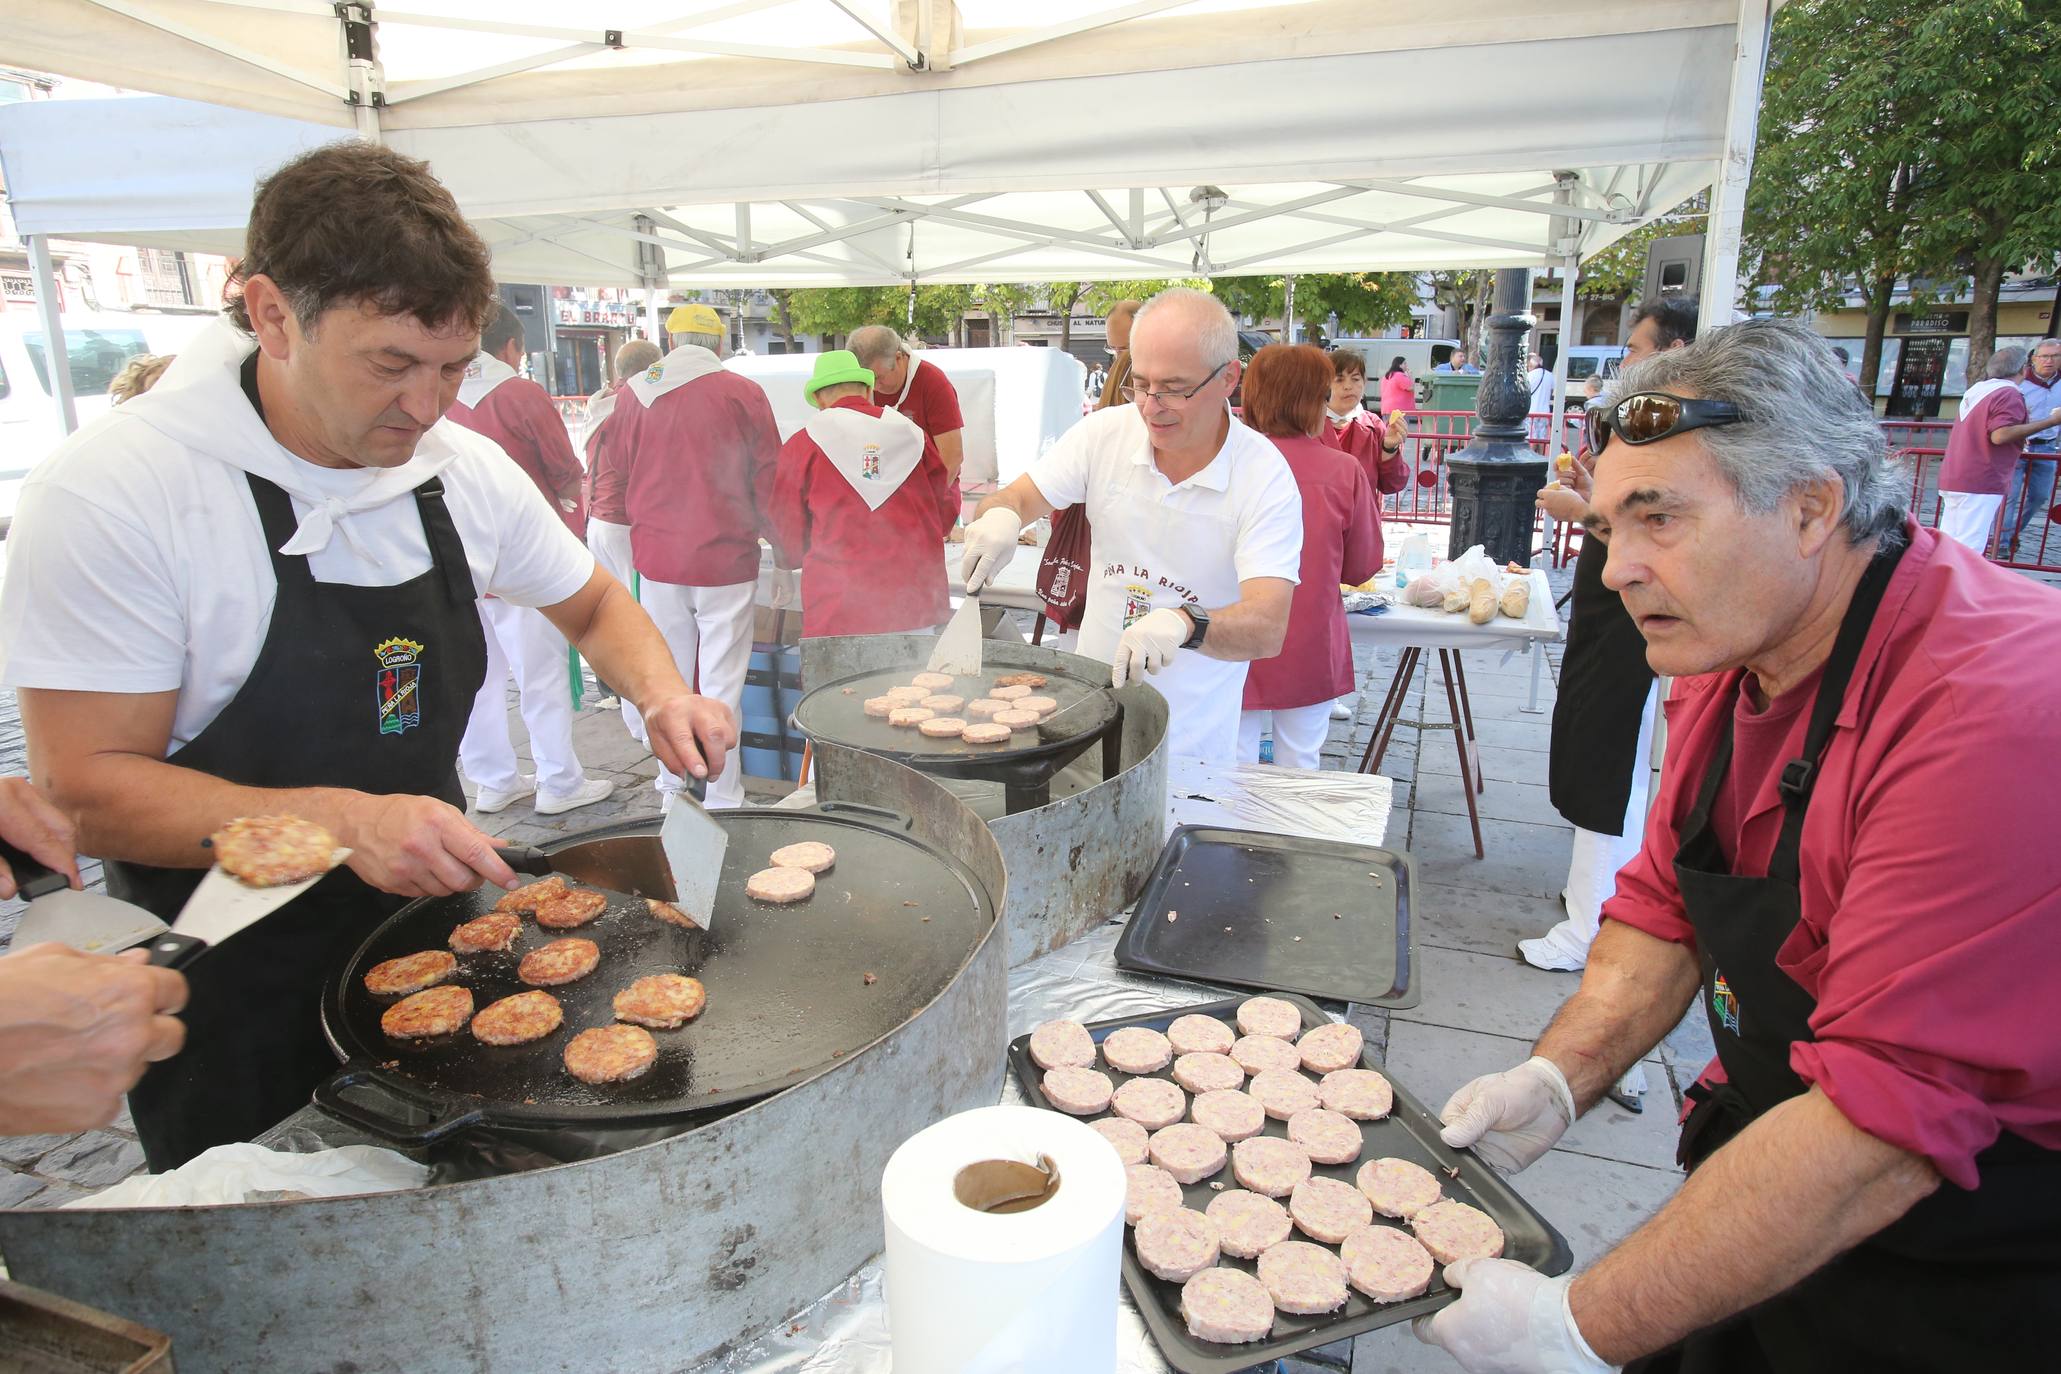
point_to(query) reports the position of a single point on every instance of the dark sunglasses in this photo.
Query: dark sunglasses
(1645, 416)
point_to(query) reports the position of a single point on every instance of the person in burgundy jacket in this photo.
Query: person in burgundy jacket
(1349, 426)
(700, 444)
(608, 479)
(1285, 393)
(862, 505)
(1982, 451)
(497, 401)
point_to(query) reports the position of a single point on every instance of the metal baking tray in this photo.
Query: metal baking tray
(1280, 912)
(1409, 1131)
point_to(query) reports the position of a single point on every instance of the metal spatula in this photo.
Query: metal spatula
(958, 648)
(694, 846)
(220, 907)
(91, 921)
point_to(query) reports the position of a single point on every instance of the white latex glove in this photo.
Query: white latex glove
(1510, 1118)
(1510, 1319)
(785, 583)
(990, 544)
(1149, 645)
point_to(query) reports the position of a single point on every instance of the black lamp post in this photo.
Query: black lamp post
(1496, 479)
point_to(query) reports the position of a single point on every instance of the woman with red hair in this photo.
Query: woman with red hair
(1285, 393)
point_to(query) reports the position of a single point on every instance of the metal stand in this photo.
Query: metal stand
(1461, 724)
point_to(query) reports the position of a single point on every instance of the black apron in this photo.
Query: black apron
(1604, 680)
(1964, 1280)
(358, 687)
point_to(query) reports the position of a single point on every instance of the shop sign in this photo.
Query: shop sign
(1935, 322)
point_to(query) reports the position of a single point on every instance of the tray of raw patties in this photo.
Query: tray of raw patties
(1284, 1193)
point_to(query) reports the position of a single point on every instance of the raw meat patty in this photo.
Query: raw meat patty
(1328, 1137)
(1015, 692)
(270, 851)
(1208, 1073)
(1033, 680)
(1396, 1187)
(1076, 1091)
(561, 961)
(526, 897)
(1231, 1114)
(1062, 1045)
(1044, 706)
(1302, 1278)
(1194, 1034)
(931, 682)
(662, 1001)
(494, 931)
(436, 1011)
(1361, 1094)
(1328, 1210)
(878, 707)
(1282, 1092)
(519, 1019)
(812, 855)
(1176, 1245)
(1127, 1138)
(1269, 1016)
(906, 695)
(570, 909)
(1259, 1053)
(780, 886)
(1328, 1049)
(1015, 719)
(1248, 1224)
(1454, 1231)
(1137, 1049)
(1148, 1189)
(1189, 1152)
(983, 708)
(671, 915)
(1228, 1306)
(610, 1054)
(1270, 1165)
(944, 703)
(1151, 1102)
(1386, 1264)
(985, 732)
(906, 717)
(410, 973)
(942, 727)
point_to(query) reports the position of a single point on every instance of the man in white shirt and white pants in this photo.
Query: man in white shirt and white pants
(1197, 520)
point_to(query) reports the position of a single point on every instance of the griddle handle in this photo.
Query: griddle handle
(31, 877)
(376, 1091)
(873, 815)
(525, 858)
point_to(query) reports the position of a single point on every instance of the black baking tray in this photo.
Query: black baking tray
(1284, 912)
(1409, 1132)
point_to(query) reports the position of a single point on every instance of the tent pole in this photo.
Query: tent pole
(1728, 190)
(362, 75)
(1570, 268)
(49, 308)
(1288, 308)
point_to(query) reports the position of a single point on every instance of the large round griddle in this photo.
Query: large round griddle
(787, 989)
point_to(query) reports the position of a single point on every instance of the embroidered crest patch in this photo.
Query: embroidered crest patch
(398, 685)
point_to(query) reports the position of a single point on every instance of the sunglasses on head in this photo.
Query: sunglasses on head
(1645, 416)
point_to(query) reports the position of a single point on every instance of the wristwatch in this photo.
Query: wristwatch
(1201, 631)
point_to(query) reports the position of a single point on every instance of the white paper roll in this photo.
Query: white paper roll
(1030, 1292)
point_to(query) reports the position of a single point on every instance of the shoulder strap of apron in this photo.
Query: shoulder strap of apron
(275, 513)
(446, 550)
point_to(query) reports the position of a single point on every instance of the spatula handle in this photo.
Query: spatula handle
(34, 879)
(174, 951)
(524, 858)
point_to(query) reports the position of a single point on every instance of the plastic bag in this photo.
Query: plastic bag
(1454, 578)
(252, 1173)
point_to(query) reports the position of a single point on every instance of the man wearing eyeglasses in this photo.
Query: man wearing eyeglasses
(1846, 869)
(1197, 524)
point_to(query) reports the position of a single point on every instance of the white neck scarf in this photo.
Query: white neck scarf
(687, 363)
(874, 453)
(485, 373)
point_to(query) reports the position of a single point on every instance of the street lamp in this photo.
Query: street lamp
(1496, 479)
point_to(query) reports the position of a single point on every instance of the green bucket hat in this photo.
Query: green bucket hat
(838, 365)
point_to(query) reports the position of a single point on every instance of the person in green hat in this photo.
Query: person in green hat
(861, 505)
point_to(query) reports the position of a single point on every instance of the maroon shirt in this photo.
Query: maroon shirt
(1341, 543)
(932, 401)
(1973, 463)
(519, 416)
(608, 473)
(1361, 437)
(701, 460)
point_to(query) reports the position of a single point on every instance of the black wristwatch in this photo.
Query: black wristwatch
(1201, 630)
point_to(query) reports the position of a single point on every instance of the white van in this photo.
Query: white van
(1419, 355)
(97, 344)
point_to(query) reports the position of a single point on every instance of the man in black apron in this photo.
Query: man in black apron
(362, 295)
(1875, 1181)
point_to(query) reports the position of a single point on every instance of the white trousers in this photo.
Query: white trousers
(521, 640)
(709, 628)
(610, 545)
(1592, 873)
(1299, 735)
(1968, 517)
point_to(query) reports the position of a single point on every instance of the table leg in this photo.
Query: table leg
(1463, 739)
(1016, 800)
(1538, 671)
(1459, 671)
(1391, 710)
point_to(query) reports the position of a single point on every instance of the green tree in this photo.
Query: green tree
(1103, 297)
(1466, 290)
(1364, 302)
(838, 310)
(1620, 269)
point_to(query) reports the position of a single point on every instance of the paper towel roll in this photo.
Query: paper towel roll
(1022, 1292)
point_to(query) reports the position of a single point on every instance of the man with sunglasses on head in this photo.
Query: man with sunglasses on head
(1197, 524)
(1846, 871)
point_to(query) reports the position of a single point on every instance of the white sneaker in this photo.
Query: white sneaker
(586, 794)
(1341, 711)
(607, 703)
(1557, 951)
(489, 799)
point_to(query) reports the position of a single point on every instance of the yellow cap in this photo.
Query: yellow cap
(693, 319)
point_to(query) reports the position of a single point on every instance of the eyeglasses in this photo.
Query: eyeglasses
(1646, 416)
(1167, 398)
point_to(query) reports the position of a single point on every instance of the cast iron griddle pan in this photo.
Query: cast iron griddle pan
(1284, 912)
(1407, 1132)
(836, 712)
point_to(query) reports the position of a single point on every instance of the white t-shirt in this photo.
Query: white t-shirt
(137, 562)
(1157, 544)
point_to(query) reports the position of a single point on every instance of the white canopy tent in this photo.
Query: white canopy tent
(828, 142)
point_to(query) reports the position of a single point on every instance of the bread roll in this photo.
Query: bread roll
(1481, 601)
(1455, 601)
(1517, 599)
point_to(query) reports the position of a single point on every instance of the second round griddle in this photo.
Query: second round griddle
(787, 989)
(837, 712)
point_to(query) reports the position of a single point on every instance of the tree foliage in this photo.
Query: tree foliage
(1620, 270)
(1364, 302)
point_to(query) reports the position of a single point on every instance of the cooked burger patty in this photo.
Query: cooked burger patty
(1208, 1073)
(519, 1019)
(1361, 1094)
(931, 682)
(671, 915)
(1248, 1224)
(1194, 1034)
(494, 931)
(437, 1011)
(942, 727)
(561, 961)
(985, 732)
(1151, 1102)
(1176, 1244)
(1021, 680)
(663, 1001)
(1328, 1210)
(1227, 1306)
(813, 855)
(908, 717)
(1076, 1091)
(1328, 1137)
(1454, 1231)
(944, 703)
(1259, 1053)
(878, 707)
(1303, 1279)
(410, 973)
(780, 886)
(1397, 1187)
(526, 897)
(570, 909)
(1328, 1049)
(610, 1054)
(1386, 1264)
(1127, 1138)
(1269, 1016)
(1062, 1045)
(1148, 1189)
(981, 708)
(1230, 1114)
(1137, 1049)
(1189, 1152)
(269, 851)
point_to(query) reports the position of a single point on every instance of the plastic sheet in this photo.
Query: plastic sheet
(1327, 804)
(252, 1173)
